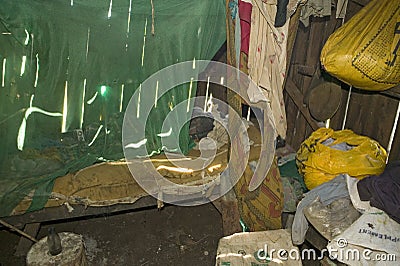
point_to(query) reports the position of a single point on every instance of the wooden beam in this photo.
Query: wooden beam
(297, 98)
(228, 204)
(24, 244)
(230, 214)
(393, 92)
(61, 213)
(361, 2)
(292, 34)
(305, 70)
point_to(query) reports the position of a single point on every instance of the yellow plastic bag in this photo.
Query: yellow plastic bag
(364, 51)
(328, 153)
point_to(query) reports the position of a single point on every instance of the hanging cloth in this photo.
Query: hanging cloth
(267, 60)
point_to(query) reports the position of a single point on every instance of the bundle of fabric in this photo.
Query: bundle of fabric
(356, 228)
(383, 191)
(326, 194)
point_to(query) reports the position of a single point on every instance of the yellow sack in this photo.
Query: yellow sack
(319, 159)
(364, 51)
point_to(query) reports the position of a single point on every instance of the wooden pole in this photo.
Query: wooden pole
(18, 231)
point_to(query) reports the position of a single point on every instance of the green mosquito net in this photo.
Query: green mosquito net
(68, 70)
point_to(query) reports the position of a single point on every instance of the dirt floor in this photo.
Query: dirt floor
(173, 236)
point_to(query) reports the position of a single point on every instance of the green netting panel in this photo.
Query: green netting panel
(70, 65)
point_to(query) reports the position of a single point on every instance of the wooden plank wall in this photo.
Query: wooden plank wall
(369, 113)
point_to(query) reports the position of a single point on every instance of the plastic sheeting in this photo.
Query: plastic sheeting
(73, 65)
(328, 153)
(363, 52)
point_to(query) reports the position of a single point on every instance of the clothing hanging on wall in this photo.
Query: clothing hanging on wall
(267, 60)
